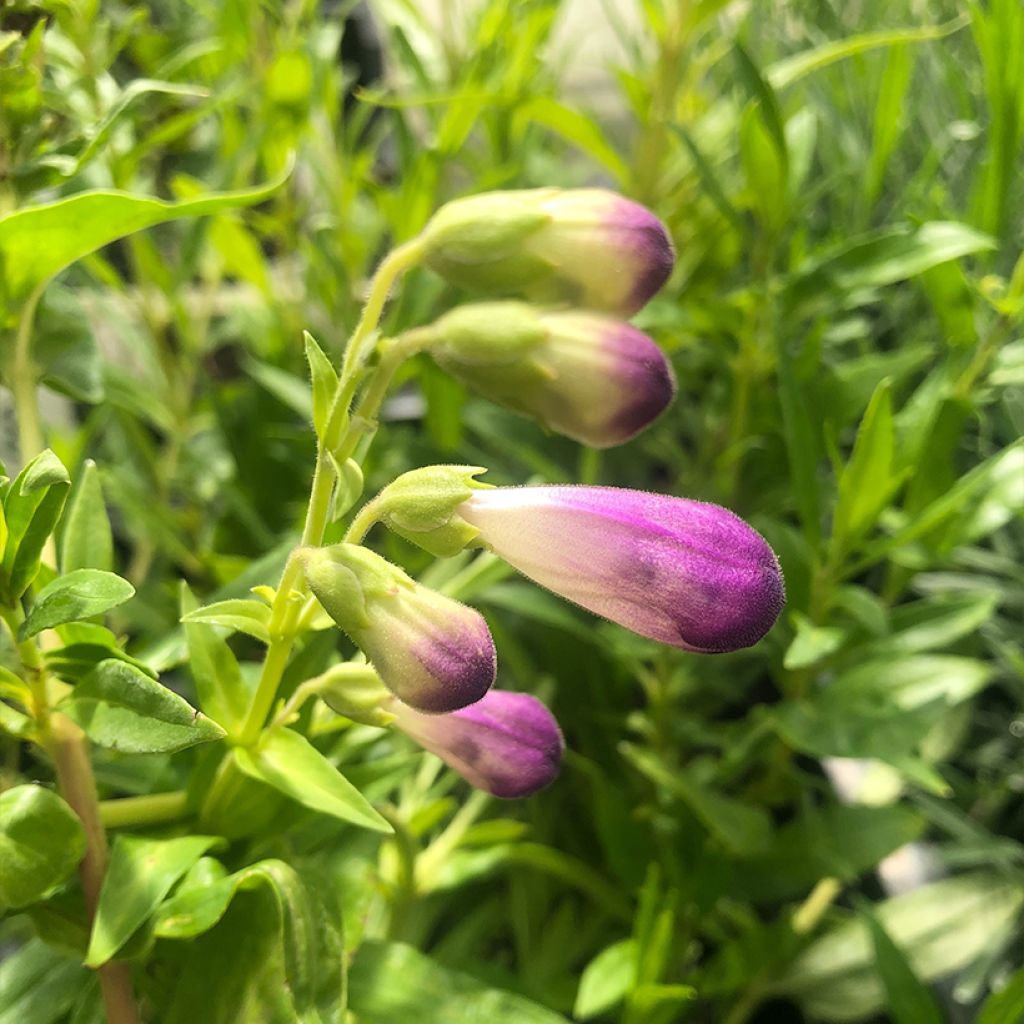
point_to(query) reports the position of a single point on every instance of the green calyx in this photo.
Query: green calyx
(421, 506)
(356, 691)
(489, 334)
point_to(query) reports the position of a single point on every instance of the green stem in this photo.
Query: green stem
(333, 449)
(24, 382)
(133, 811)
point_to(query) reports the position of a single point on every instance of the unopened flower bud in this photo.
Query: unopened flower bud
(682, 572)
(507, 744)
(593, 378)
(421, 506)
(430, 651)
(584, 247)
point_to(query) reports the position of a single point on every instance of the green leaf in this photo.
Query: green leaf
(39, 241)
(38, 985)
(140, 874)
(913, 681)
(934, 622)
(742, 828)
(418, 989)
(33, 506)
(86, 540)
(291, 764)
(78, 595)
(121, 708)
(761, 91)
(866, 484)
(242, 614)
(606, 979)
(811, 643)
(942, 927)
(881, 259)
(908, 1001)
(64, 349)
(1005, 1006)
(324, 381)
(41, 843)
(223, 693)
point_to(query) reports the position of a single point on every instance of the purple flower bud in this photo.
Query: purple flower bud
(583, 247)
(507, 744)
(682, 572)
(585, 375)
(432, 652)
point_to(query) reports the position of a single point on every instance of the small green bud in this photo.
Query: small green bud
(421, 507)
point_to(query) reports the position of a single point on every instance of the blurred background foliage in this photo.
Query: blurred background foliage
(825, 827)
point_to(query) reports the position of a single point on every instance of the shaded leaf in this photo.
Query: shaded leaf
(78, 595)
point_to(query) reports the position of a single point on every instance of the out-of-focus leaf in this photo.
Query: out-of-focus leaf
(38, 985)
(907, 999)
(77, 595)
(140, 874)
(41, 842)
(811, 643)
(37, 242)
(122, 708)
(914, 681)
(86, 539)
(1005, 1006)
(942, 927)
(606, 979)
(420, 989)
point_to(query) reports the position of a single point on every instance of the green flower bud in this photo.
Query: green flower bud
(432, 652)
(584, 247)
(588, 376)
(420, 506)
(357, 692)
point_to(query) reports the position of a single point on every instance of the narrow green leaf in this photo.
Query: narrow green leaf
(242, 614)
(140, 874)
(86, 541)
(76, 596)
(759, 89)
(121, 708)
(291, 764)
(39, 241)
(41, 843)
(606, 979)
(223, 693)
(908, 1000)
(889, 116)
(866, 485)
(33, 506)
(324, 380)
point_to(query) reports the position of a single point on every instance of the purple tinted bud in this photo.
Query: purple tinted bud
(429, 650)
(507, 744)
(584, 247)
(682, 572)
(588, 376)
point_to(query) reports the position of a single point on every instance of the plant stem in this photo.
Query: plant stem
(23, 382)
(133, 811)
(333, 448)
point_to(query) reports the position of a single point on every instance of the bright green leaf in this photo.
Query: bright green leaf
(78, 595)
(606, 979)
(291, 764)
(141, 872)
(324, 380)
(41, 843)
(241, 614)
(121, 708)
(1005, 1006)
(38, 985)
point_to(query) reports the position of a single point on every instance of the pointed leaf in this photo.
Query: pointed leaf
(76, 596)
(241, 614)
(124, 709)
(324, 380)
(87, 542)
(291, 764)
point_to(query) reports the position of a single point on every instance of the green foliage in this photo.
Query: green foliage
(185, 190)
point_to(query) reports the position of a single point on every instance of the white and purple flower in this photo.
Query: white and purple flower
(432, 652)
(589, 376)
(685, 573)
(585, 247)
(507, 744)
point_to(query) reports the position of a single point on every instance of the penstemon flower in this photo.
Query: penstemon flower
(507, 744)
(584, 247)
(682, 572)
(432, 652)
(588, 376)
